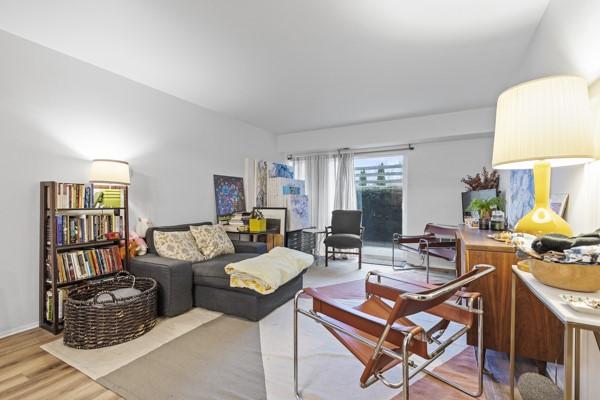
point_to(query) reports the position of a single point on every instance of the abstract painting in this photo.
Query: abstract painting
(278, 170)
(299, 214)
(261, 183)
(229, 195)
(519, 196)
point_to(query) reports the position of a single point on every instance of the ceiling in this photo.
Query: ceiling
(295, 65)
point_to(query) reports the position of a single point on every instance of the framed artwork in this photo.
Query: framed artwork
(558, 203)
(279, 170)
(229, 195)
(299, 217)
(519, 199)
(276, 219)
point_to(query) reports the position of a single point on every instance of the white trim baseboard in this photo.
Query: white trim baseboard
(18, 329)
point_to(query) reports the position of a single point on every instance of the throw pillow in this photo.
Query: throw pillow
(177, 245)
(212, 240)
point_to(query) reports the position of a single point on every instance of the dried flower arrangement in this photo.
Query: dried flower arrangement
(481, 181)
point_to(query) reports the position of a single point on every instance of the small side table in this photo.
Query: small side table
(318, 239)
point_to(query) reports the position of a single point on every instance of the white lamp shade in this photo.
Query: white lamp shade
(110, 172)
(547, 119)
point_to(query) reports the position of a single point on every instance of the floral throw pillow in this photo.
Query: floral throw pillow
(177, 245)
(212, 240)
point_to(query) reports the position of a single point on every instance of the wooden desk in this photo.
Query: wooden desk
(540, 332)
(571, 322)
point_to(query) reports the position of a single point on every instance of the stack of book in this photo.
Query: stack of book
(62, 297)
(83, 264)
(239, 220)
(71, 229)
(72, 195)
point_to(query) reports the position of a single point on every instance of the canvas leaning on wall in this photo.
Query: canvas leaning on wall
(229, 195)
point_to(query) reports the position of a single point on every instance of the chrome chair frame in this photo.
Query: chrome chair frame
(425, 241)
(404, 358)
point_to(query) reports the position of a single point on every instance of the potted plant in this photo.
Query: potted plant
(484, 207)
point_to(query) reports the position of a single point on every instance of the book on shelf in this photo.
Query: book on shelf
(73, 229)
(108, 198)
(84, 264)
(73, 195)
(62, 297)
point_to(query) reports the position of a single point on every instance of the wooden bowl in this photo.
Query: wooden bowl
(577, 277)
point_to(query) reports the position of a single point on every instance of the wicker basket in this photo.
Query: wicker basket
(90, 324)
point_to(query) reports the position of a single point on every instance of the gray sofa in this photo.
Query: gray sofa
(182, 284)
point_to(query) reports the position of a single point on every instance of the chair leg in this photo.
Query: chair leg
(326, 256)
(360, 258)
(296, 392)
(405, 367)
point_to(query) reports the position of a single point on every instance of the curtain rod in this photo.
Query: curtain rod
(346, 150)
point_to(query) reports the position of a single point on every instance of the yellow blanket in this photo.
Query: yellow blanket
(265, 273)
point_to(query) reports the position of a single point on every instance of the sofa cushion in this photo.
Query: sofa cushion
(212, 240)
(177, 245)
(343, 241)
(212, 272)
(172, 228)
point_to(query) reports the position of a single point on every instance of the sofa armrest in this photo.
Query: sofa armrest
(249, 247)
(174, 279)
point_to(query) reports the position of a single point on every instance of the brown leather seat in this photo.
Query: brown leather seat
(379, 332)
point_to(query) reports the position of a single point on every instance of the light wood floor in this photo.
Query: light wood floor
(28, 372)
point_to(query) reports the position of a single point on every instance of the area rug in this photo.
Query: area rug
(213, 356)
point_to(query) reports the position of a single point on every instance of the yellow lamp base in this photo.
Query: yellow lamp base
(541, 220)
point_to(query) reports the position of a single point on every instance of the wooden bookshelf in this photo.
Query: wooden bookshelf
(51, 247)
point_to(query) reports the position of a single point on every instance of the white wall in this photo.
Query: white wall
(434, 171)
(57, 113)
(400, 131)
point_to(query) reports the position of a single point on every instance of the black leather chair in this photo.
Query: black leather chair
(344, 233)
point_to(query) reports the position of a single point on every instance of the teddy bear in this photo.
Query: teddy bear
(137, 245)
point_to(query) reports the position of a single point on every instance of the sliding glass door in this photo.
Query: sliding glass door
(379, 194)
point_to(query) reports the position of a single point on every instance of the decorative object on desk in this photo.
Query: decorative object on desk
(577, 277)
(257, 221)
(110, 172)
(484, 207)
(519, 195)
(468, 197)
(539, 124)
(229, 194)
(497, 220)
(298, 208)
(585, 304)
(280, 170)
(558, 203)
(129, 312)
(482, 181)
(504, 236)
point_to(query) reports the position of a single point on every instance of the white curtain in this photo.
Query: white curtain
(329, 184)
(345, 191)
(319, 175)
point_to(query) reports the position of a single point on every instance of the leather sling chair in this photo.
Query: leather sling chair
(381, 336)
(437, 240)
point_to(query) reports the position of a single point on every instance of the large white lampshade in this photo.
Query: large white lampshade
(541, 124)
(110, 172)
(547, 119)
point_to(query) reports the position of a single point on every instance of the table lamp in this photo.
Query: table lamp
(541, 124)
(111, 172)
